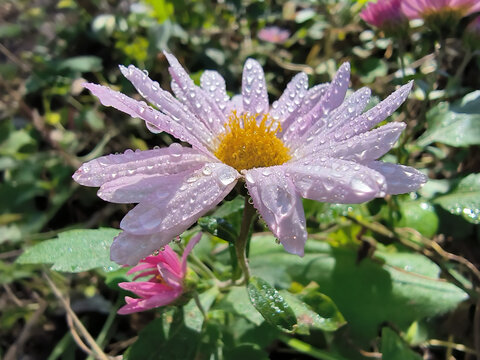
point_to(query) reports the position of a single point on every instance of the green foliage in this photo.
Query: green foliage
(74, 251)
(394, 348)
(368, 293)
(271, 304)
(464, 199)
(456, 124)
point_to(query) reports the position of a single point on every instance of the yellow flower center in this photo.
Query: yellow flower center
(248, 144)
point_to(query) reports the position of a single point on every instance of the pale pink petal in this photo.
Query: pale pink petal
(139, 188)
(158, 120)
(129, 249)
(285, 107)
(182, 206)
(254, 88)
(140, 267)
(364, 147)
(333, 98)
(336, 181)
(276, 200)
(165, 161)
(375, 115)
(214, 85)
(400, 179)
(197, 101)
(166, 103)
(235, 103)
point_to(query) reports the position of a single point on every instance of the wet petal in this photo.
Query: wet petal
(284, 110)
(276, 200)
(336, 181)
(165, 161)
(376, 114)
(165, 102)
(333, 98)
(129, 249)
(197, 101)
(214, 85)
(324, 130)
(193, 241)
(361, 148)
(400, 179)
(154, 118)
(182, 206)
(254, 88)
(145, 288)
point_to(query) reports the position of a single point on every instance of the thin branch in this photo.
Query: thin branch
(12, 353)
(99, 354)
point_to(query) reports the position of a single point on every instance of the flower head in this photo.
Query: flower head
(439, 14)
(386, 15)
(472, 33)
(310, 143)
(274, 34)
(165, 283)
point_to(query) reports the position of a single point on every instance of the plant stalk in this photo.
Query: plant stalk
(241, 243)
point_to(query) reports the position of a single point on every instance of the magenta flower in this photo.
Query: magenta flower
(424, 9)
(274, 34)
(310, 143)
(165, 284)
(385, 14)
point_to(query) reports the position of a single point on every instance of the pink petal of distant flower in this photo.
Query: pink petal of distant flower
(182, 206)
(254, 88)
(198, 102)
(275, 198)
(400, 179)
(274, 34)
(336, 181)
(139, 109)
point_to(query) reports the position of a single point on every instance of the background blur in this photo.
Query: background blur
(50, 125)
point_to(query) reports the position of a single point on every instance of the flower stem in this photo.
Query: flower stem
(241, 243)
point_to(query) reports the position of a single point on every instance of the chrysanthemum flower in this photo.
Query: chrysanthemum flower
(274, 34)
(472, 33)
(386, 15)
(443, 12)
(310, 143)
(165, 283)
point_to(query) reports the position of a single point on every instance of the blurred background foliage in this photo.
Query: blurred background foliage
(382, 259)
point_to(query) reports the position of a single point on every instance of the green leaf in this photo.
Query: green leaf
(192, 314)
(270, 304)
(456, 125)
(218, 227)
(326, 318)
(420, 216)
(464, 199)
(393, 287)
(81, 64)
(74, 251)
(240, 302)
(245, 351)
(165, 338)
(394, 348)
